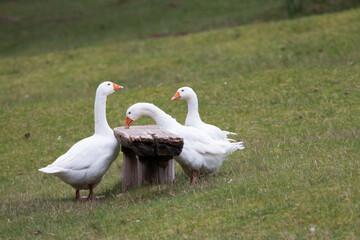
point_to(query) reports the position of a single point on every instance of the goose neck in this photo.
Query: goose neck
(193, 109)
(101, 124)
(162, 119)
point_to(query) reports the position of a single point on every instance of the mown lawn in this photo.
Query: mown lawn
(290, 89)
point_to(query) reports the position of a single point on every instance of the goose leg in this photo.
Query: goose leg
(77, 194)
(91, 192)
(195, 174)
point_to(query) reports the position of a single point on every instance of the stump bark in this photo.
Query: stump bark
(147, 155)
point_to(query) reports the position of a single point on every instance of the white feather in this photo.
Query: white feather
(193, 117)
(87, 161)
(200, 151)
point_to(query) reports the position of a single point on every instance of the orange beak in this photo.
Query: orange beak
(128, 122)
(117, 87)
(176, 96)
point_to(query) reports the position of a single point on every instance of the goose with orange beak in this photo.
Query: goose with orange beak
(193, 117)
(85, 163)
(176, 96)
(128, 122)
(201, 154)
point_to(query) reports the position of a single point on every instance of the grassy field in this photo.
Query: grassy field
(290, 89)
(41, 26)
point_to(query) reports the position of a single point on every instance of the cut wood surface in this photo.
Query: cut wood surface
(149, 141)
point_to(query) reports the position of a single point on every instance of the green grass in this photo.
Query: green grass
(292, 94)
(41, 26)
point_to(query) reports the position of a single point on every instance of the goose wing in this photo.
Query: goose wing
(84, 153)
(203, 143)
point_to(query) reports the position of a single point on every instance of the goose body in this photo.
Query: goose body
(86, 162)
(193, 117)
(201, 154)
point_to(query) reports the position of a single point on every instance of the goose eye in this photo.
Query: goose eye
(182, 90)
(108, 84)
(129, 112)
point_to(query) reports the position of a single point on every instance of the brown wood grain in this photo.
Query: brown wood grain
(149, 141)
(147, 155)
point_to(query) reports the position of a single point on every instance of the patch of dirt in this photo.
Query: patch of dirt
(315, 7)
(258, 21)
(4, 19)
(180, 34)
(174, 5)
(158, 35)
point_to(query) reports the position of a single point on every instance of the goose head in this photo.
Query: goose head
(134, 113)
(107, 88)
(137, 110)
(184, 93)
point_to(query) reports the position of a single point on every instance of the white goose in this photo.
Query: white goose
(85, 163)
(201, 154)
(193, 117)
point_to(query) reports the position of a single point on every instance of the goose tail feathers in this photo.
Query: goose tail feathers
(235, 146)
(230, 133)
(51, 169)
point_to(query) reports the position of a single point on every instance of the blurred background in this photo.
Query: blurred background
(32, 27)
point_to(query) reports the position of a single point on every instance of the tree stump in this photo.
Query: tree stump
(147, 155)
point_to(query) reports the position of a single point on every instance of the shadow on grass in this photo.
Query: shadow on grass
(135, 196)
